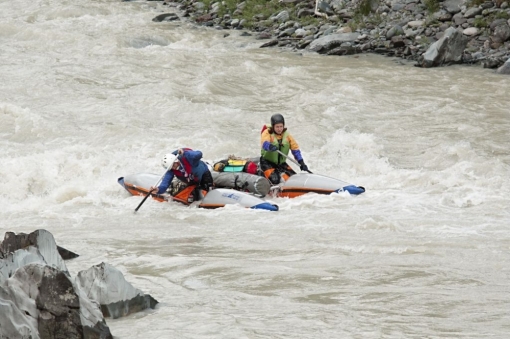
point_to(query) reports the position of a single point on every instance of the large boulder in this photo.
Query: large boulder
(39, 301)
(107, 286)
(447, 50)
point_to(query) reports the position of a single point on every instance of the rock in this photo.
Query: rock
(283, 16)
(397, 7)
(345, 29)
(496, 23)
(304, 43)
(324, 7)
(453, 6)
(46, 304)
(416, 23)
(107, 286)
(300, 33)
(472, 12)
(66, 254)
(459, 19)
(324, 44)
(394, 31)
(344, 50)
(471, 31)
(505, 69)
(286, 33)
(397, 42)
(264, 35)
(444, 17)
(305, 12)
(491, 63)
(345, 14)
(41, 240)
(271, 43)
(487, 4)
(501, 33)
(204, 18)
(447, 50)
(165, 17)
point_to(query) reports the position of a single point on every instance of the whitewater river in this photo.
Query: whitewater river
(93, 91)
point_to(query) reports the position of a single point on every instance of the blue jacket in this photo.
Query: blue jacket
(190, 170)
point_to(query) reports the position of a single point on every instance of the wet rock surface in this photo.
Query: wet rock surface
(40, 299)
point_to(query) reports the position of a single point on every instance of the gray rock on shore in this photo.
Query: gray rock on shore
(445, 51)
(505, 69)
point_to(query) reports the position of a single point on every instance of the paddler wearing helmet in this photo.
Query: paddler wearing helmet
(185, 164)
(276, 138)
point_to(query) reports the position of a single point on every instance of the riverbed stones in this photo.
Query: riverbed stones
(421, 28)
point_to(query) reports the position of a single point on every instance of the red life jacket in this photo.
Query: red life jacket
(188, 173)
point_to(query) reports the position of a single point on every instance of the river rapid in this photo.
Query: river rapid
(93, 91)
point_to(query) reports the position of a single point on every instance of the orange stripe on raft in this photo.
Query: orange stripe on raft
(142, 192)
(292, 192)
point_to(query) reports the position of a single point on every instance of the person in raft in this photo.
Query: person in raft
(276, 138)
(185, 165)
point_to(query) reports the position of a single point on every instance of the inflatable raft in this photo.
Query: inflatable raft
(231, 173)
(139, 184)
(302, 183)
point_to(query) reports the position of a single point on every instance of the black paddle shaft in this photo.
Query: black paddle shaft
(140, 205)
(294, 161)
(149, 193)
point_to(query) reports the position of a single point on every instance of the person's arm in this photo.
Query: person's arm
(294, 148)
(265, 142)
(193, 157)
(165, 183)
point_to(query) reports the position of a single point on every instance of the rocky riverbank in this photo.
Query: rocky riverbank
(409, 29)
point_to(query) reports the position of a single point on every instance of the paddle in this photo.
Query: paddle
(294, 161)
(149, 193)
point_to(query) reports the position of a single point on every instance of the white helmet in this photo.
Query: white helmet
(168, 160)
